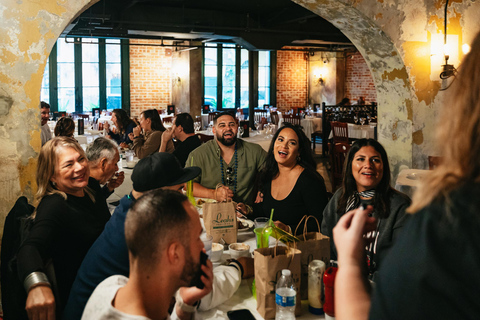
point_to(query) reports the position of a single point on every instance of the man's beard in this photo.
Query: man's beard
(229, 142)
(191, 271)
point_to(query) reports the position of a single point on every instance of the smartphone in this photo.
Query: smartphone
(242, 314)
(197, 281)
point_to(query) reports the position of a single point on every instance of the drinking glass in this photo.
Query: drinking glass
(261, 222)
(362, 121)
(240, 132)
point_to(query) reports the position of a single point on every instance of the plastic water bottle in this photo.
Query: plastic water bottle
(285, 296)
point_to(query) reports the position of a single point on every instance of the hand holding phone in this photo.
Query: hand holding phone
(197, 281)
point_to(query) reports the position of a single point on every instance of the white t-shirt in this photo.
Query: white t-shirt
(99, 306)
(45, 134)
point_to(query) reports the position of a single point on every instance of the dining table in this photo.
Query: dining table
(408, 180)
(357, 131)
(309, 124)
(243, 297)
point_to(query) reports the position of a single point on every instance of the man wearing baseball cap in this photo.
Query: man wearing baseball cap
(109, 254)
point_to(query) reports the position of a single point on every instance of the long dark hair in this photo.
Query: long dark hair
(123, 120)
(349, 185)
(153, 115)
(270, 170)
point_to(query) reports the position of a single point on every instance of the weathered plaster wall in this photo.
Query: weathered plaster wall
(388, 71)
(394, 38)
(28, 31)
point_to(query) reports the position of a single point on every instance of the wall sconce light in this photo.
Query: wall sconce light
(318, 77)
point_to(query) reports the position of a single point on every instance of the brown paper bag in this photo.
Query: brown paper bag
(269, 263)
(220, 221)
(314, 246)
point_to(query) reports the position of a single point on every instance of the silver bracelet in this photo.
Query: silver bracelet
(35, 279)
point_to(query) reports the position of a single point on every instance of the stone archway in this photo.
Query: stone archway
(29, 30)
(388, 71)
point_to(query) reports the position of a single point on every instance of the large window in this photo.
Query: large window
(263, 78)
(83, 74)
(227, 77)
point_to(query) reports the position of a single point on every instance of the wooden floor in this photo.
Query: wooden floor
(322, 166)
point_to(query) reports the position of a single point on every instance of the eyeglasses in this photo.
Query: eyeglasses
(229, 180)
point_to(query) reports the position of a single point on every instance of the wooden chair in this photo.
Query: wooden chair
(293, 119)
(259, 114)
(433, 162)
(274, 117)
(338, 154)
(211, 116)
(340, 132)
(168, 120)
(204, 137)
(317, 135)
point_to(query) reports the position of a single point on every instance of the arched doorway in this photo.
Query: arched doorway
(29, 30)
(388, 71)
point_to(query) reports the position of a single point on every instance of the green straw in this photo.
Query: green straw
(271, 218)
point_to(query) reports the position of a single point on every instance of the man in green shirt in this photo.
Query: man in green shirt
(228, 161)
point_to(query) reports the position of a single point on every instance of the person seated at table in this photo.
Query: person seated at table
(123, 127)
(366, 180)
(289, 182)
(103, 156)
(162, 232)
(183, 131)
(46, 134)
(226, 161)
(149, 142)
(65, 127)
(69, 217)
(432, 270)
(109, 254)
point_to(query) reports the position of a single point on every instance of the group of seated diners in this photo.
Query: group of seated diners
(129, 265)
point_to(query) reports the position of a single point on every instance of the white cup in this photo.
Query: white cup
(238, 250)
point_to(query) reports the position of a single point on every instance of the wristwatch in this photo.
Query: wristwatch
(185, 307)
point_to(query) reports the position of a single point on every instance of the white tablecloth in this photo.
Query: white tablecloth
(356, 131)
(409, 179)
(243, 298)
(310, 125)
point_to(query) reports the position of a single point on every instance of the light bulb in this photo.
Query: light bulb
(465, 48)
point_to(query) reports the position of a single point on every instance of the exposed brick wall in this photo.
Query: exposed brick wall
(358, 80)
(291, 80)
(150, 76)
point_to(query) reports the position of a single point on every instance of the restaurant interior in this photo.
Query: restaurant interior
(289, 55)
(296, 58)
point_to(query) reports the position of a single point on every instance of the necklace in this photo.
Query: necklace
(230, 171)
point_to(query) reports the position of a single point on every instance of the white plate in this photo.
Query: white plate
(247, 222)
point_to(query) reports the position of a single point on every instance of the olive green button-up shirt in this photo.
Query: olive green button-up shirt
(250, 158)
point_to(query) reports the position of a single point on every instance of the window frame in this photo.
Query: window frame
(125, 75)
(252, 75)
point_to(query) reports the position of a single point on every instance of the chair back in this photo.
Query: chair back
(293, 119)
(274, 117)
(340, 132)
(338, 154)
(212, 116)
(204, 137)
(168, 120)
(259, 114)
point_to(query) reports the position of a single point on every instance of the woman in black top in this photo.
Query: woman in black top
(69, 218)
(124, 125)
(432, 270)
(289, 182)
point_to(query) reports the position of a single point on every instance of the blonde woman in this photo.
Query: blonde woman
(68, 219)
(432, 270)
